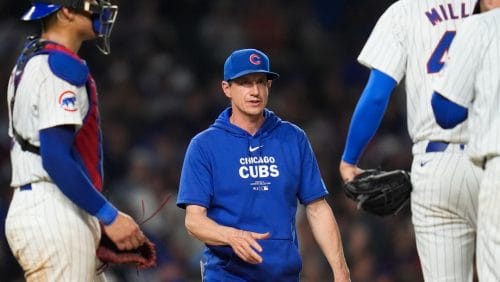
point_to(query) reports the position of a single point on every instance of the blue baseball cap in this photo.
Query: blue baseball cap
(246, 61)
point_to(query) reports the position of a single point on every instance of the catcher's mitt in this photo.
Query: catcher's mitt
(380, 192)
(143, 256)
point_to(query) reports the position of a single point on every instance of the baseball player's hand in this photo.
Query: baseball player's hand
(244, 244)
(348, 171)
(125, 232)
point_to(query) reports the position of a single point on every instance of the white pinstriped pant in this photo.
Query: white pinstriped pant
(488, 224)
(444, 213)
(51, 238)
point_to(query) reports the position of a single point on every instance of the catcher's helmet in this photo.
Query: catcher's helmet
(103, 15)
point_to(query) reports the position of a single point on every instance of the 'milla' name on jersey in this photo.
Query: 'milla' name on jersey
(447, 12)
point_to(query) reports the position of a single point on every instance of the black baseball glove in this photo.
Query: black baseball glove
(380, 192)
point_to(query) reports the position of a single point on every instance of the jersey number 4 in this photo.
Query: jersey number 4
(435, 62)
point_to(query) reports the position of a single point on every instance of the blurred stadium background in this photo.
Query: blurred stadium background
(161, 85)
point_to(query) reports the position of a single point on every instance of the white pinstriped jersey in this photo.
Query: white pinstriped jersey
(412, 38)
(471, 78)
(42, 100)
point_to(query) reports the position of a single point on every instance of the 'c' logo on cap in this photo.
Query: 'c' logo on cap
(255, 59)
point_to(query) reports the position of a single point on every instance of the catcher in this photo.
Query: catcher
(52, 225)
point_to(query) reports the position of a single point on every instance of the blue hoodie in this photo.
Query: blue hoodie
(252, 183)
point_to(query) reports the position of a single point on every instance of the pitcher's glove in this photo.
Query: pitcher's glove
(143, 256)
(380, 192)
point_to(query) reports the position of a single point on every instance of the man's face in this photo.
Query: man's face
(85, 28)
(84, 22)
(249, 94)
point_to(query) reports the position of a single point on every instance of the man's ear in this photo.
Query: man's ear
(65, 15)
(226, 88)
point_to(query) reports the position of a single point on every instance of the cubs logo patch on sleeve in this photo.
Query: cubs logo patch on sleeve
(67, 101)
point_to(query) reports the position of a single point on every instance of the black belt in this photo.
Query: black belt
(25, 187)
(439, 146)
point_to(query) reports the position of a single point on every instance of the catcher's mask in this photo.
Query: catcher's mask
(103, 16)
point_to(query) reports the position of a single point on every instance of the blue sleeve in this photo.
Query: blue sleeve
(312, 186)
(368, 114)
(195, 185)
(447, 113)
(57, 159)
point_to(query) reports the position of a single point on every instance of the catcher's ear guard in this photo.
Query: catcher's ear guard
(380, 192)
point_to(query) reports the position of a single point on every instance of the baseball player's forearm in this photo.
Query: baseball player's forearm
(200, 226)
(204, 228)
(447, 113)
(326, 233)
(55, 150)
(368, 114)
(243, 243)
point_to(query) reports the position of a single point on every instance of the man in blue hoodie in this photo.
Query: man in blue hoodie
(241, 180)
